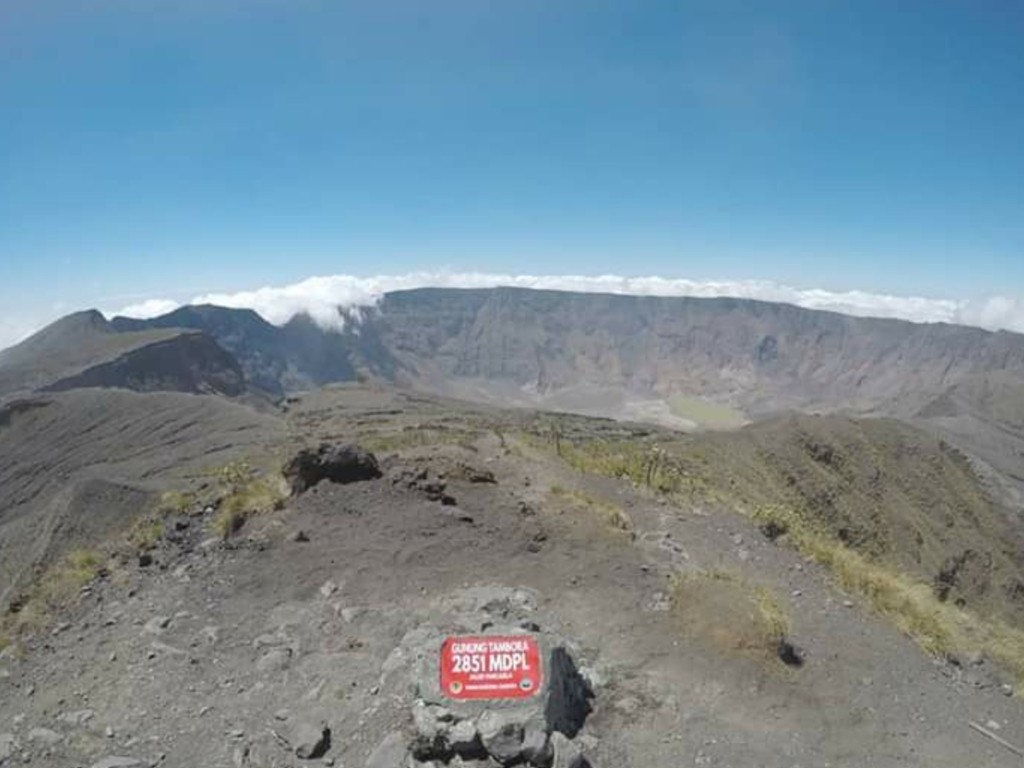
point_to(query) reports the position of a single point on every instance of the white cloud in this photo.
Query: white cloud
(144, 310)
(995, 312)
(320, 297)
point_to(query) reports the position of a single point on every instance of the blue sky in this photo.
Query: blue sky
(169, 149)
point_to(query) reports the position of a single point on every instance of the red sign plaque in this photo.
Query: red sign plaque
(490, 667)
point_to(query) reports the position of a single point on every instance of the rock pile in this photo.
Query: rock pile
(543, 731)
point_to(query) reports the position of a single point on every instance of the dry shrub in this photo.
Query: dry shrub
(730, 614)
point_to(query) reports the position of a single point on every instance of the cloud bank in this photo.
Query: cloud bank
(320, 297)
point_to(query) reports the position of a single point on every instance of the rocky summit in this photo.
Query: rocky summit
(216, 549)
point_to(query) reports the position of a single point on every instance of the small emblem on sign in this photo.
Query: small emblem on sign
(490, 667)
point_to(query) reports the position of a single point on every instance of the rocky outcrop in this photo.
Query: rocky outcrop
(334, 463)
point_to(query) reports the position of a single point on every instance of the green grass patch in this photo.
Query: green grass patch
(55, 588)
(145, 533)
(686, 474)
(611, 514)
(176, 503)
(644, 464)
(415, 437)
(706, 413)
(940, 628)
(246, 492)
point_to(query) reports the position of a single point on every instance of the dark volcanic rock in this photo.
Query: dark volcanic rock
(336, 463)
(569, 695)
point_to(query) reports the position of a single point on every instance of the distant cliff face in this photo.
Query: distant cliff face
(563, 348)
(569, 349)
(757, 355)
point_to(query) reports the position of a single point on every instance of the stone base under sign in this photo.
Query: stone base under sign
(536, 731)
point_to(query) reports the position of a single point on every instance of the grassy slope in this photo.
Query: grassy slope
(897, 515)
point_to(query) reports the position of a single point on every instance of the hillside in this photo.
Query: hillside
(756, 356)
(308, 631)
(296, 356)
(896, 495)
(683, 361)
(77, 466)
(84, 350)
(686, 363)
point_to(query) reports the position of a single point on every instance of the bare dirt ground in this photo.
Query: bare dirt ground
(217, 651)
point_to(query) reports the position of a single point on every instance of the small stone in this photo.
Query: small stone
(848, 603)
(328, 588)
(536, 747)
(566, 753)
(992, 725)
(462, 739)
(240, 756)
(45, 736)
(352, 613)
(156, 645)
(501, 734)
(108, 732)
(274, 660)
(796, 593)
(299, 536)
(311, 741)
(63, 626)
(157, 624)
(281, 714)
(77, 718)
(430, 720)
(211, 634)
(7, 746)
(1006, 689)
